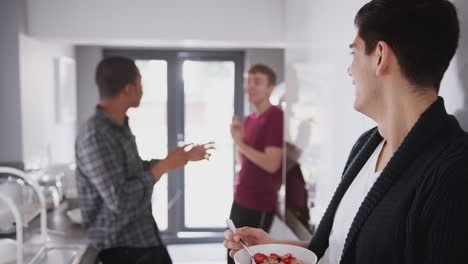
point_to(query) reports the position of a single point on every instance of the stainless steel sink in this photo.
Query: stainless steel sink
(52, 255)
(71, 254)
(65, 243)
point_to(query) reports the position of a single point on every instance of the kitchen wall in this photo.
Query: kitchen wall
(27, 93)
(220, 23)
(319, 95)
(320, 116)
(46, 139)
(87, 58)
(11, 23)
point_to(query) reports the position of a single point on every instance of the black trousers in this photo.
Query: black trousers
(125, 255)
(242, 216)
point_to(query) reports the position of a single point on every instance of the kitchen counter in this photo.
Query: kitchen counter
(67, 241)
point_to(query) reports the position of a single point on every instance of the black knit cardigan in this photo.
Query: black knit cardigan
(417, 210)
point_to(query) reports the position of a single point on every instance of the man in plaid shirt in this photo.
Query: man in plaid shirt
(114, 184)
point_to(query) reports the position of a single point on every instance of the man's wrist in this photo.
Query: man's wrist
(159, 169)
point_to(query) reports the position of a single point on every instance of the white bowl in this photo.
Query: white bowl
(75, 216)
(307, 256)
(7, 250)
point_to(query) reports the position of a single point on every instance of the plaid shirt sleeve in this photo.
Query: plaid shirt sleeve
(105, 164)
(147, 164)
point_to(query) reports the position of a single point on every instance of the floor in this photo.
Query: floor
(198, 253)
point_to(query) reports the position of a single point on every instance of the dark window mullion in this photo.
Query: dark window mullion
(180, 120)
(173, 130)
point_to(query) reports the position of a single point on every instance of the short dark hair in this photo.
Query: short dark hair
(423, 34)
(262, 68)
(113, 73)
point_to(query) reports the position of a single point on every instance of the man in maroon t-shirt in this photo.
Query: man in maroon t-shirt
(259, 144)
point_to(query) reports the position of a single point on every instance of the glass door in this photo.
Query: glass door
(209, 107)
(149, 125)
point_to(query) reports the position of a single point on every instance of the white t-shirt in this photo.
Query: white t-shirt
(349, 207)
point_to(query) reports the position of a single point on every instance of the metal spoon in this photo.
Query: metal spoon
(232, 227)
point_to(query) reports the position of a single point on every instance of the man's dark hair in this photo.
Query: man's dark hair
(261, 68)
(423, 34)
(113, 73)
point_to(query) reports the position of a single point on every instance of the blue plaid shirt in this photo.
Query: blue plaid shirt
(114, 186)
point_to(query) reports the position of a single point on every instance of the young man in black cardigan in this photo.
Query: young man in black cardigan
(402, 198)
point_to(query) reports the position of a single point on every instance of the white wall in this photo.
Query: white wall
(43, 136)
(87, 58)
(27, 94)
(10, 110)
(157, 22)
(455, 84)
(320, 116)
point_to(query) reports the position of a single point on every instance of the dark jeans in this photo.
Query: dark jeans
(242, 216)
(125, 255)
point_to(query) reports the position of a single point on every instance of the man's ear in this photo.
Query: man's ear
(383, 55)
(128, 89)
(271, 87)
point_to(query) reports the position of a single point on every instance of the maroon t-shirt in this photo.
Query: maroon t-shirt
(255, 188)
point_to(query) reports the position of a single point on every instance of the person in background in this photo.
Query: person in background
(114, 185)
(402, 197)
(296, 191)
(259, 142)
